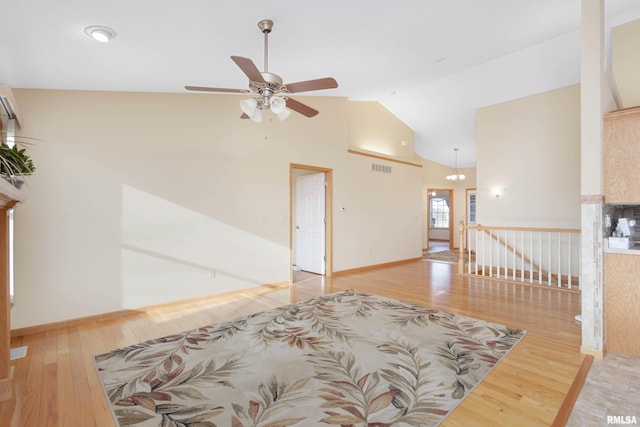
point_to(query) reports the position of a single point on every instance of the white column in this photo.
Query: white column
(593, 103)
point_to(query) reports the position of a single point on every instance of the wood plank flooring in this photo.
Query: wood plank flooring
(56, 384)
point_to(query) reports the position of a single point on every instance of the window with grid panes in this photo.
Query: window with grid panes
(439, 212)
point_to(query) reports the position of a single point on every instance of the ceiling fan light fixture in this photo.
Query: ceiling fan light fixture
(278, 104)
(249, 106)
(100, 33)
(256, 116)
(252, 108)
(284, 114)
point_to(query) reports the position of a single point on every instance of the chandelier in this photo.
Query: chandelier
(455, 176)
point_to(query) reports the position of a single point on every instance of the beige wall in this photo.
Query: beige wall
(529, 149)
(142, 198)
(372, 128)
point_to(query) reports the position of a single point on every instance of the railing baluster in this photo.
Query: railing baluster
(522, 257)
(491, 253)
(540, 257)
(531, 252)
(477, 252)
(498, 257)
(515, 237)
(559, 263)
(502, 248)
(569, 262)
(549, 260)
(468, 251)
(506, 254)
(484, 251)
(468, 240)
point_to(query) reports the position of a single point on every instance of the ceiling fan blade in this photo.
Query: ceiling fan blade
(249, 68)
(215, 89)
(317, 84)
(301, 108)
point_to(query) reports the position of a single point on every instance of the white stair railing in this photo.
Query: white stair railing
(541, 256)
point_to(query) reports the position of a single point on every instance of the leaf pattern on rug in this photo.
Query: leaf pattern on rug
(462, 363)
(271, 405)
(184, 386)
(405, 315)
(352, 397)
(347, 359)
(321, 318)
(420, 392)
(160, 361)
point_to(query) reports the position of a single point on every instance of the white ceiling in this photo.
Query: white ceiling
(493, 50)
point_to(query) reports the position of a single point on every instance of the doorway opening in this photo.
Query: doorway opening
(440, 219)
(311, 222)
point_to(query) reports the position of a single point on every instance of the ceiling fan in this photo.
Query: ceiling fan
(269, 90)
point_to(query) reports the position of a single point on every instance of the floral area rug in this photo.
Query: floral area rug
(346, 359)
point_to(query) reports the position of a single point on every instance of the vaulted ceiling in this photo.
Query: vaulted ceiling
(430, 62)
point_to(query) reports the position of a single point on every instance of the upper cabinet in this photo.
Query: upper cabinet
(622, 156)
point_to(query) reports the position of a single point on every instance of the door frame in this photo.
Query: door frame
(328, 211)
(451, 225)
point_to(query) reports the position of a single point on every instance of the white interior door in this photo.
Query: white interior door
(310, 222)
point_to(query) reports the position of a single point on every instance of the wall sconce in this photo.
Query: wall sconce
(497, 192)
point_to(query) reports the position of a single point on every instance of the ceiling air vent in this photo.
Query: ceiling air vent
(376, 167)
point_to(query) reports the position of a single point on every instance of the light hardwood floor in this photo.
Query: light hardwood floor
(56, 384)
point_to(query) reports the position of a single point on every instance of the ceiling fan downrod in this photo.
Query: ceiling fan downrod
(266, 25)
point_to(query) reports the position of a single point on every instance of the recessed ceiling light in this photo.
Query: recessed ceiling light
(100, 33)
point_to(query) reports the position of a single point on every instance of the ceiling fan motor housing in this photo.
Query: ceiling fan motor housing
(272, 85)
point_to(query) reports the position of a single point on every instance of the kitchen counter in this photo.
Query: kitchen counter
(633, 251)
